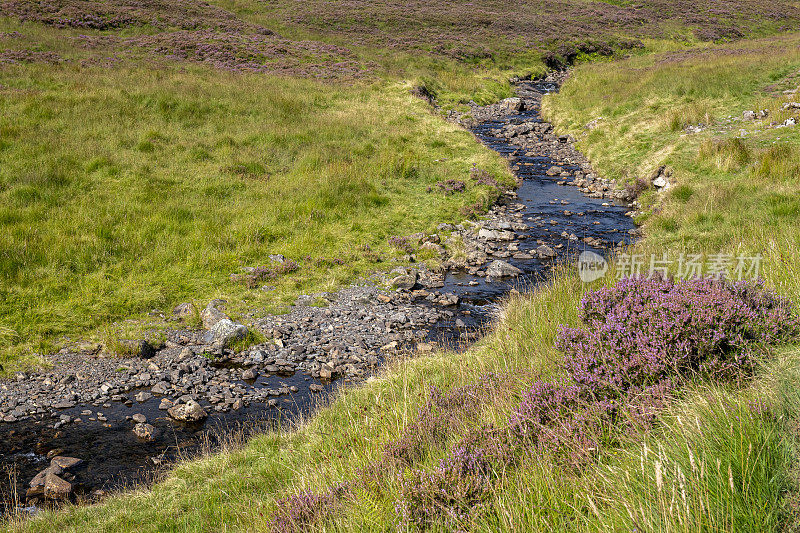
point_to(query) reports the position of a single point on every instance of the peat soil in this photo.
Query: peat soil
(87, 406)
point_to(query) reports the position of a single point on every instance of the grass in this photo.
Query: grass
(126, 190)
(239, 166)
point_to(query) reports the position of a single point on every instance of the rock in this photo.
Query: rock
(191, 411)
(749, 115)
(56, 488)
(211, 315)
(66, 462)
(183, 310)
(513, 104)
(545, 252)
(660, 182)
(554, 171)
(250, 374)
(406, 281)
(143, 397)
(139, 418)
(501, 269)
(165, 404)
(315, 387)
(145, 432)
(225, 332)
(137, 348)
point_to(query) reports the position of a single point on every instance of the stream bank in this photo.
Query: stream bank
(88, 398)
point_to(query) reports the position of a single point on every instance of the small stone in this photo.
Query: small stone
(145, 432)
(545, 252)
(139, 418)
(250, 374)
(143, 397)
(316, 387)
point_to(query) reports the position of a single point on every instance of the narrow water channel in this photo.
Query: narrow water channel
(114, 458)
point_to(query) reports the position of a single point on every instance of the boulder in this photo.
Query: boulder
(56, 488)
(514, 104)
(190, 411)
(145, 432)
(137, 348)
(406, 281)
(224, 333)
(211, 315)
(545, 252)
(501, 269)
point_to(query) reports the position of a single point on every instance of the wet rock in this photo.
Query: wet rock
(190, 411)
(142, 397)
(501, 269)
(66, 462)
(139, 418)
(315, 387)
(145, 432)
(545, 252)
(250, 374)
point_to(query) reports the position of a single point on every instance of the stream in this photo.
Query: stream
(113, 458)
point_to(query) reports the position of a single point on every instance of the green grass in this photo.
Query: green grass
(126, 189)
(129, 189)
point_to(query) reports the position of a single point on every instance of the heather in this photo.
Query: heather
(648, 405)
(641, 342)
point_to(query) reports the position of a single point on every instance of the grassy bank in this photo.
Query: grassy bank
(129, 189)
(719, 457)
(148, 151)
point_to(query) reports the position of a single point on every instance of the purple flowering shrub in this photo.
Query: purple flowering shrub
(644, 332)
(482, 177)
(259, 274)
(642, 339)
(438, 418)
(451, 186)
(458, 488)
(298, 512)
(401, 243)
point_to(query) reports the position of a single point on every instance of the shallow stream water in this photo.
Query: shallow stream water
(114, 458)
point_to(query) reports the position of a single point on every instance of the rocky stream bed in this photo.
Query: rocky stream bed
(94, 423)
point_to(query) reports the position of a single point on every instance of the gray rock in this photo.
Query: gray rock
(211, 315)
(501, 269)
(190, 411)
(224, 333)
(143, 397)
(406, 281)
(250, 374)
(545, 252)
(139, 418)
